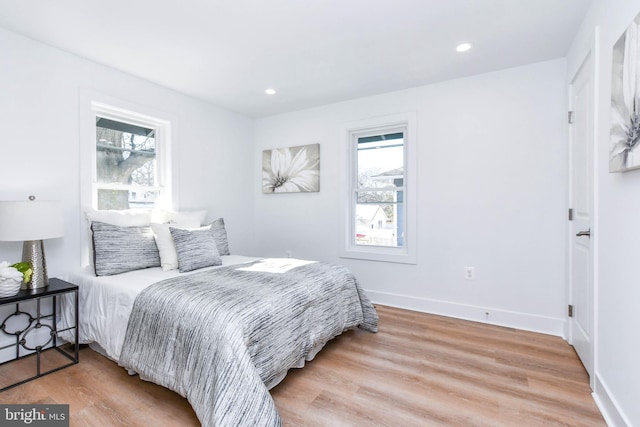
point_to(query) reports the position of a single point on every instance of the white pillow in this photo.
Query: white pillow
(125, 218)
(197, 218)
(164, 242)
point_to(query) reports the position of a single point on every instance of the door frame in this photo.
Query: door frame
(590, 48)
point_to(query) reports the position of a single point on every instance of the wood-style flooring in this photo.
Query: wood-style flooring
(418, 370)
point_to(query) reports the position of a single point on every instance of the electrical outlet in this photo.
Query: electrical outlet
(470, 273)
(287, 253)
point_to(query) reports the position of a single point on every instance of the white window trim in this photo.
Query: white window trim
(348, 249)
(93, 104)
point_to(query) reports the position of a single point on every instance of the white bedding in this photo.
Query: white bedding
(105, 302)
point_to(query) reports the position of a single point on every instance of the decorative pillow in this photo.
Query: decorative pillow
(220, 236)
(164, 241)
(123, 218)
(195, 249)
(192, 218)
(120, 249)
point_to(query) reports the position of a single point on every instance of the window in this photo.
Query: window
(378, 190)
(380, 216)
(129, 161)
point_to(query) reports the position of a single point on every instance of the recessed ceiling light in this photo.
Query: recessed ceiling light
(463, 47)
(270, 91)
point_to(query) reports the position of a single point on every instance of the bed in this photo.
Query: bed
(219, 335)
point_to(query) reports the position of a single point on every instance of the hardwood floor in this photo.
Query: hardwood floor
(418, 370)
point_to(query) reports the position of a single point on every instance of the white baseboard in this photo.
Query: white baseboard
(492, 316)
(608, 406)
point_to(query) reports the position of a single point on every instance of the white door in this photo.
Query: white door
(581, 291)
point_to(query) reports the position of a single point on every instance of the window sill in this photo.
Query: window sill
(379, 254)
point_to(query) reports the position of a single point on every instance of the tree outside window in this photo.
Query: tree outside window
(126, 166)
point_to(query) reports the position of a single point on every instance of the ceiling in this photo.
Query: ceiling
(312, 52)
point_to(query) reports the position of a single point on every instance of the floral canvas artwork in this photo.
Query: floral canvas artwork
(291, 170)
(625, 101)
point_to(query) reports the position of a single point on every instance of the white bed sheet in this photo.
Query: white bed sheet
(105, 302)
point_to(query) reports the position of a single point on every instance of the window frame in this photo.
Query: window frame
(406, 254)
(136, 115)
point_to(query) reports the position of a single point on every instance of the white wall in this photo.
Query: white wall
(40, 93)
(39, 113)
(492, 183)
(617, 371)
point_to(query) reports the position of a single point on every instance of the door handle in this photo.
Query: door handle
(585, 233)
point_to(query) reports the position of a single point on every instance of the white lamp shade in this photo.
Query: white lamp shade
(30, 220)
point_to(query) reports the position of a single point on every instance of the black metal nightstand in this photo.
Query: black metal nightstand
(55, 289)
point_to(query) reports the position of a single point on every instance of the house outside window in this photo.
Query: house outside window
(380, 219)
(378, 191)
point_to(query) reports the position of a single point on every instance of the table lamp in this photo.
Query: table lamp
(32, 221)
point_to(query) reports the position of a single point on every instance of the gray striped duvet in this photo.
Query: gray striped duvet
(217, 337)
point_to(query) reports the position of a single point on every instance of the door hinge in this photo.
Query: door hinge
(570, 214)
(570, 117)
(570, 311)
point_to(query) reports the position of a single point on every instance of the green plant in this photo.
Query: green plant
(25, 269)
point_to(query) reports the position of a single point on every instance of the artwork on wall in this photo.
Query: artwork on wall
(291, 170)
(625, 101)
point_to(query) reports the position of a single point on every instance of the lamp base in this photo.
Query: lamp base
(33, 253)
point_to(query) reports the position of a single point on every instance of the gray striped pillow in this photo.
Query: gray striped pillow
(220, 236)
(195, 249)
(119, 249)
